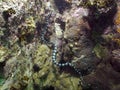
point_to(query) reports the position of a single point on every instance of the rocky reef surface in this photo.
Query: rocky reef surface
(59, 45)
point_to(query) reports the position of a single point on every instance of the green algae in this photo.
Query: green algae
(101, 51)
(49, 75)
(4, 52)
(98, 3)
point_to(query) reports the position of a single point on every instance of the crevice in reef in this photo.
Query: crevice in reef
(62, 5)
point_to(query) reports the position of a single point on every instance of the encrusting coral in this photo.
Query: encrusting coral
(20, 68)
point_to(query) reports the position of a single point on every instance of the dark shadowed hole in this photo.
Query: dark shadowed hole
(2, 64)
(62, 5)
(62, 24)
(36, 68)
(49, 88)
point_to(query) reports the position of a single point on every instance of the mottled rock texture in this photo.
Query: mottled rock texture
(86, 34)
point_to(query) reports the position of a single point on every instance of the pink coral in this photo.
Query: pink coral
(80, 12)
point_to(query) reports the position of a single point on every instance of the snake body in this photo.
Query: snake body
(55, 50)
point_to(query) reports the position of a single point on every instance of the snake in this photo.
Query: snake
(55, 50)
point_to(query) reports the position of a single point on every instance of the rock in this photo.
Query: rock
(102, 6)
(101, 52)
(3, 53)
(15, 4)
(79, 48)
(117, 18)
(115, 62)
(2, 21)
(38, 33)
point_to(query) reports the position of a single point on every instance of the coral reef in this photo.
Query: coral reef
(116, 38)
(59, 45)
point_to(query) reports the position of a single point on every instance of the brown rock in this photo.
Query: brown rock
(115, 62)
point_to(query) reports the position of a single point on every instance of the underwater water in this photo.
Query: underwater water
(59, 45)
